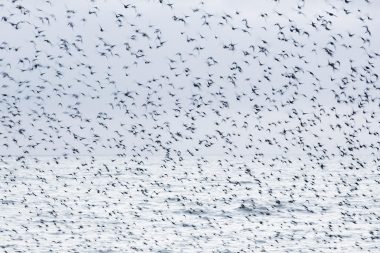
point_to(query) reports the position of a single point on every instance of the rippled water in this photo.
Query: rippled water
(111, 205)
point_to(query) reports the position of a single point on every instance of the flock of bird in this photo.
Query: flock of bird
(171, 126)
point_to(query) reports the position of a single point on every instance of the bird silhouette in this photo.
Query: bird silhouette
(163, 126)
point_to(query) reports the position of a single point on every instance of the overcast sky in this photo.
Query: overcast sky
(62, 105)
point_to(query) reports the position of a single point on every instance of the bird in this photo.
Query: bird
(168, 126)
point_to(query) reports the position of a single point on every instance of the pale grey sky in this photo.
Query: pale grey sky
(62, 80)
